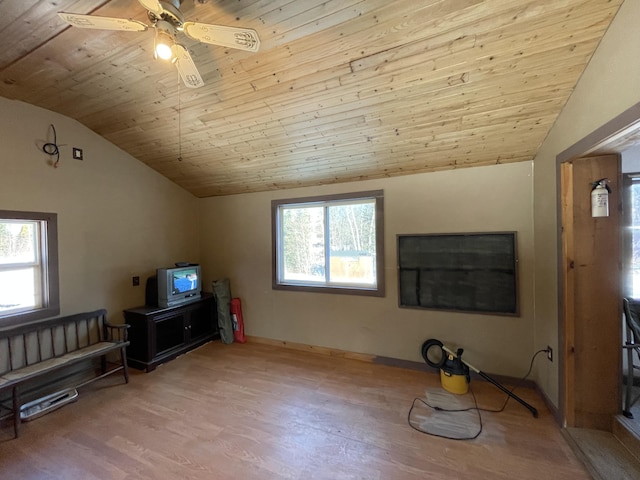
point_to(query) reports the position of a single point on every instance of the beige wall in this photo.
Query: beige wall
(237, 238)
(116, 217)
(607, 88)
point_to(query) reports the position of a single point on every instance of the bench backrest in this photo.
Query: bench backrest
(25, 345)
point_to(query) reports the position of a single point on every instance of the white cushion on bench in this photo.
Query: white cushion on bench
(39, 367)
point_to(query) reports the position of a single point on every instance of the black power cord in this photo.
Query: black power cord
(52, 148)
(475, 407)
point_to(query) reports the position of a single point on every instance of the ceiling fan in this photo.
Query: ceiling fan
(166, 18)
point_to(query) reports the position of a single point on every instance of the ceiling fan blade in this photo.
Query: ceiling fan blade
(153, 6)
(186, 67)
(232, 37)
(102, 23)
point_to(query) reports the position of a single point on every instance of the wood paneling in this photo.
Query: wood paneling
(340, 91)
(592, 299)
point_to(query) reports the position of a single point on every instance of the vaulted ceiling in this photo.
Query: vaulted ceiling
(340, 90)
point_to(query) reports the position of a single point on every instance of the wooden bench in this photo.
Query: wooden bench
(35, 350)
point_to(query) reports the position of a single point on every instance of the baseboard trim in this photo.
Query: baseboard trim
(332, 352)
(555, 412)
(388, 361)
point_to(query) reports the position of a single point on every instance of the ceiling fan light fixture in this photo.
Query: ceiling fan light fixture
(163, 51)
(167, 19)
(164, 40)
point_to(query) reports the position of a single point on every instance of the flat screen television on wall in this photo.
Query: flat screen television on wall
(178, 285)
(466, 272)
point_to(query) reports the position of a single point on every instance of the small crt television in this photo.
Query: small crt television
(178, 285)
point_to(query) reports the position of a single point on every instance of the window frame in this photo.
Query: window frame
(378, 197)
(48, 253)
(629, 180)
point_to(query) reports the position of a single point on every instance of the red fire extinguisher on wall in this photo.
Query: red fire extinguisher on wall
(238, 322)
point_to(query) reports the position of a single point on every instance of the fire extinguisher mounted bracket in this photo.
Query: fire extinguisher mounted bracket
(603, 182)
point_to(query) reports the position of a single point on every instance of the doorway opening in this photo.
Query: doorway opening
(616, 137)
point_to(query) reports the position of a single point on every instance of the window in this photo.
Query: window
(631, 184)
(329, 244)
(28, 266)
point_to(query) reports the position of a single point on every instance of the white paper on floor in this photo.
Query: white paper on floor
(436, 414)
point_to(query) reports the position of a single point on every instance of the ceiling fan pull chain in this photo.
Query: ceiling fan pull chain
(179, 123)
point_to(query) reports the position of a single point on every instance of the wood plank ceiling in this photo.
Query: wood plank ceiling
(341, 90)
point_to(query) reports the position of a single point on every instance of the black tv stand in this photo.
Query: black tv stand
(158, 335)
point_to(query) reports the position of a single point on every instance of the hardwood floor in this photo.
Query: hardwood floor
(256, 411)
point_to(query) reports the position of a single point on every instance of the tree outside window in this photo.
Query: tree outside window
(28, 266)
(330, 243)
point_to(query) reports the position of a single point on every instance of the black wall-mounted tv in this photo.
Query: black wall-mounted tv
(466, 272)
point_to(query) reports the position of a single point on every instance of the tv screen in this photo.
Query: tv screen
(185, 280)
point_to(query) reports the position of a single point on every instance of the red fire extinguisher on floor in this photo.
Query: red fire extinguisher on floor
(238, 323)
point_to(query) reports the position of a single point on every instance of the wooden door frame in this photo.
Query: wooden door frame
(615, 136)
(591, 267)
(566, 334)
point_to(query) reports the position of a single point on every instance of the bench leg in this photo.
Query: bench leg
(125, 367)
(16, 411)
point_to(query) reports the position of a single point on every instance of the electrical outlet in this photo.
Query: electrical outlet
(549, 353)
(135, 281)
(77, 153)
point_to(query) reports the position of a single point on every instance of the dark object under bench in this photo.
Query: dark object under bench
(40, 348)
